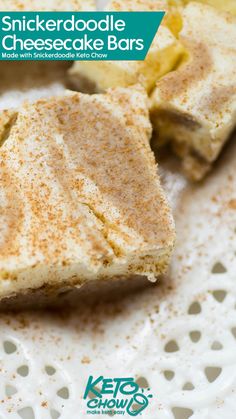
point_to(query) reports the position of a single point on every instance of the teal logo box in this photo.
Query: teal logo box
(119, 396)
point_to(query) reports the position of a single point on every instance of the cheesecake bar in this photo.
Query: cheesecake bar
(46, 5)
(80, 198)
(163, 55)
(194, 107)
(224, 5)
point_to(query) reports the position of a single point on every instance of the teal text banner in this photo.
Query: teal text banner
(77, 35)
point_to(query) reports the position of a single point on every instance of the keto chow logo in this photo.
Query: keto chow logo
(115, 397)
(77, 35)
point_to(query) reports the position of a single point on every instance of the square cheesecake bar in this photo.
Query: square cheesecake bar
(80, 198)
(194, 107)
(164, 53)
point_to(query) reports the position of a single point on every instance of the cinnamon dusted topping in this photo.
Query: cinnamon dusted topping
(80, 197)
(196, 69)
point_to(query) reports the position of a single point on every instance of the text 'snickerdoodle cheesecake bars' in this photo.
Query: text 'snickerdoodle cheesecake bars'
(80, 197)
(194, 107)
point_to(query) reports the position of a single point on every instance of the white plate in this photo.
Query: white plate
(180, 335)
